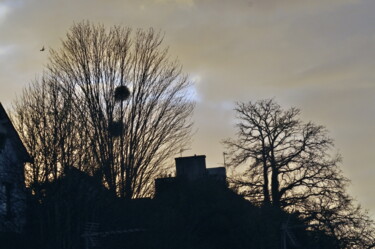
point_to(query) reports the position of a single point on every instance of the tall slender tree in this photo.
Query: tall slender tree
(123, 140)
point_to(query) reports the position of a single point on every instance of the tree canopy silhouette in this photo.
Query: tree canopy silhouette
(111, 103)
(289, 164)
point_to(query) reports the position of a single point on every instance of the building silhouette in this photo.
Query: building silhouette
(191, 170)
(13, 156)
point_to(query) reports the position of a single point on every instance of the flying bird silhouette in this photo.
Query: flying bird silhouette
(42, 49)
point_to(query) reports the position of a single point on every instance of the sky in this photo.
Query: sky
(317, 55)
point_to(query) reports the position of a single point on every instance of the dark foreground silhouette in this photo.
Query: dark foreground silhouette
(78, 212)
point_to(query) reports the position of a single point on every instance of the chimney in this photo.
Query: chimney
(191, 168)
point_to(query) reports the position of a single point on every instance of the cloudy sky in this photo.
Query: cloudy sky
(318, 55)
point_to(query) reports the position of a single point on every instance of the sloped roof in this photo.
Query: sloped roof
(11, 133)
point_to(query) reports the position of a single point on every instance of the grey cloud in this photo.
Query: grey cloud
(273, 4)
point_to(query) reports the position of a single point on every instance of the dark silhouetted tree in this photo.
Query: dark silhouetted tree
(123, 108)
(288, 164)
(46, 122)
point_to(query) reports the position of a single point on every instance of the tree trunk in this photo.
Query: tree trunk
(266, 193)
(275, 185)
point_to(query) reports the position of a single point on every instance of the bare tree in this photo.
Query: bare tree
(342, 219)
(126, 140)
(44, 118)
(288, 164)
(286, 159)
